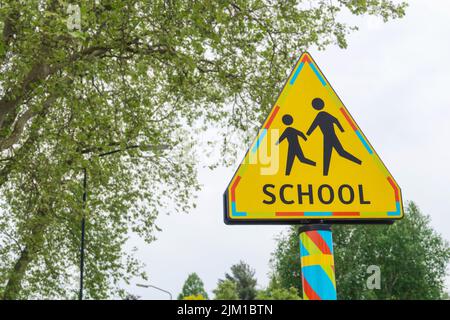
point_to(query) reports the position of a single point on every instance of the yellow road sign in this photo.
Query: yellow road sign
(310, 161)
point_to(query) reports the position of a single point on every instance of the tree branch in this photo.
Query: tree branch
(22, 121)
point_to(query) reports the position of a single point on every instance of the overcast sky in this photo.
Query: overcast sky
(394, 79)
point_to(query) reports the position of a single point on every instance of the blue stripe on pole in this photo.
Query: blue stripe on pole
(319, 282)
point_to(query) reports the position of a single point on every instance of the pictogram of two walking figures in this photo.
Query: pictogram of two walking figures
(326, 123)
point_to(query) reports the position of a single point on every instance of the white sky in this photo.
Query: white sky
(394, 79)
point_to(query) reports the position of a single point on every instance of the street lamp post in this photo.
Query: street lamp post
(83, 224)
(83, 219)
(154, 287)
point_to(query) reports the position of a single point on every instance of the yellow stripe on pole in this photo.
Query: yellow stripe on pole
(317, 259)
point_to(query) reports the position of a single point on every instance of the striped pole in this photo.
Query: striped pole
(317, 261)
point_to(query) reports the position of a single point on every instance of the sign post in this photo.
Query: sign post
(317, 262)
(309, 164)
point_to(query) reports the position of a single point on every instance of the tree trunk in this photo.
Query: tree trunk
(32, 247)
(13, 286)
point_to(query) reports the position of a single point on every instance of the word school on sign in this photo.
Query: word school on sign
(326, 194)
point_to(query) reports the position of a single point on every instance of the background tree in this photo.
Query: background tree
(276, 292)
(194, 297)
(244, 278)
(411, 256)
(193, 287)
(131, 296)
(226, 290)
(154, 73)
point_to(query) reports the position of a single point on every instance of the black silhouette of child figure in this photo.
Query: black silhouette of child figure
(294, 150)
(326, 122)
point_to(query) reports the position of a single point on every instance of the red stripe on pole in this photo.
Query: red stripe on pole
(272, 116)
(310, 293)
(238, 178)
(318, 241)
(397, 196)
(289, 214)
(348, 119)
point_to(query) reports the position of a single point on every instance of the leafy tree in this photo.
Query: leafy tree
(193, 287)
(194, 297)
(130, 296)
(446, 296)
(276, 292)
(411, 256)
(154, 73)
(244, 278)
(226, 290)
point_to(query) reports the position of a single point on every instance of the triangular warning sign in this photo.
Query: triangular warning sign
(310, 162)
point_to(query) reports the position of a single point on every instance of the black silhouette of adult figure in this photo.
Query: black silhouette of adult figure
(294, 150)
(326, 122)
